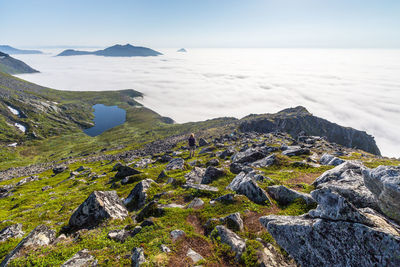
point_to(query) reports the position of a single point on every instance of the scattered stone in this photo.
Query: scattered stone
(384, 183)
(228, 198)
(165, 158)
(40, 236)
(175, 164)
(47, 187)
(137, 257)
(6, 191)
(98, 206)
(80, 169)
(196, 203)
(296, 151)
(194, 255)
(202, 142)
(138, 196)
(27, 180)
(59, 169)
(213, 162)
(227, 153)
(118, 235)
(264, 162)
(143, 163)
(237, 168)
(124, 171)
(147, 222)
(234, 222)
(206, 150)
(248, 156)
(195, 176)
(165, 249)
(212, 174)
(285, 195)
(172, 205)
(237, 244)
(201, 187)
(81, 259)
(12, 231)
(175, 234)
(151, 209)
(328, 159)
(244, 184)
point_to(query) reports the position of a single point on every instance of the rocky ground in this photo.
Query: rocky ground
(248, 199)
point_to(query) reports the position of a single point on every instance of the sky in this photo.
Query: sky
(201, 23)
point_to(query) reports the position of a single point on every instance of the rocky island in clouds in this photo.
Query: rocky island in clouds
(115, 51)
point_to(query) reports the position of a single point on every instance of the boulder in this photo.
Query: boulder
(264, 162)
(143, 163)
(175, 164)
(118, 235)
(59, 169)
(227, 153)
(248, 156)
(6, 190)
(237, 244)
(196, 203)
(347, 180)
(384, 183)
(27, 180)
(165, 158)
(237, 168)
(213, 162)
(194, 256)
(245, 184)
(328, 159)
(40, 236)
(195, 176)
(162, 174)
(81, 259)
(211, 174)
(201, 187)
(202, 142)
(12, 231)
(151, 209)
(296, 151)
(138, 196)
(98, 206)
(234, 222)
(228, 198)
(205, 150)
(175, 234)
(137, 257)
(165, 249)
(124, 171)
(268, 256)
(285, 195)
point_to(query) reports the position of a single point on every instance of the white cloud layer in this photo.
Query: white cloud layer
(356, 88)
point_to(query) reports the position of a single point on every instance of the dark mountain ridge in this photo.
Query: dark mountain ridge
(115, 51)
(11, 50)
(11, 65)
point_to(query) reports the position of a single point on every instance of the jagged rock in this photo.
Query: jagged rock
(27, 180)
(202, 142)
(6, 191)
(237, 168)
(175, 234)
(346, 180)
(384, 183)
(59, 169)
(12, 231)
(228, 198)
(211, 174)
(296, 151)
(81, 259)
(244, 184)
(196, 203)
(194, 255)
(175, 164)
(237, 244)
(137, 258)
(320, 242)
(201, 187)
(138, 196)
(118, 235)
(98, 206)
(269, 257)
(195, 176)
(165, 249)
(40, 236)
(227, 153)
(143, 163)
(124, 171)
(213, 162)
(285, 195)
(265, 162)
(234, 222)
(248, 156)
(328, 159)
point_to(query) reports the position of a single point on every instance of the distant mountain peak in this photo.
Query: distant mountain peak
(182, 50)
(11, 50)
(117, 50)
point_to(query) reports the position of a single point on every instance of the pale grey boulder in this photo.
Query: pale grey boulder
(234, 222)
(201, 187)
(245, 184)
(212, 174)
(328, 159)
(138, 196)
(384, 183)
(175, 164)
(285, 195)
(194, 256)
(296, 151)
(100, 205)
(264, 162)
(137, 257)
(81, 259)
(12, 231)
(248, 156)
(195, 203)
(237, 244)
(347, 180)
(175, 234)
(195, 176)
(40, 236)
(27, 180)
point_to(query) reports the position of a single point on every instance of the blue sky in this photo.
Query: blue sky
(201, 23)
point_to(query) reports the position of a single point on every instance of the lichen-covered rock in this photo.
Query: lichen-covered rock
(211, 174)
(98, 206)
(195, 203)
(237, 244)
(81, 259)
(268, 256)
(234, 221)
(138, 196)
(285, 195)
(118, 235)
(175, 234)
(175, 164)
(227, 153)
(347, 180)
(248, 156)
(137, 258)
(6, 191)
(265, 162)
(296, 151)
(384, 183)
(195, 176)
(244, 184)
(194, 256)
(201, 187)
(328, 159)
(40, 236)
(12, 231)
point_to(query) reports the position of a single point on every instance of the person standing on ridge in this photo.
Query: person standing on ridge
(192, 145)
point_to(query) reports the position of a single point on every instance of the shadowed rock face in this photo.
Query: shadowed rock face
(297, 121)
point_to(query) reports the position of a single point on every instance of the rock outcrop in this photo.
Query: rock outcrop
(237, 244)
(285, 195)
(12, 231)
(328, 159)
(100, 205)
(245, 184)
(138, 196)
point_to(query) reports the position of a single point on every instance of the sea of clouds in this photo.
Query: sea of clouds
(355, 88)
